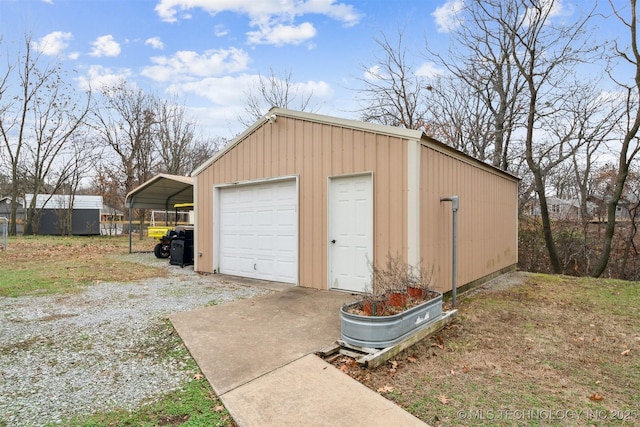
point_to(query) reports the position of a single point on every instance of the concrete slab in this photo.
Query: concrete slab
(236, 342)
(257, 356)
(310, 392)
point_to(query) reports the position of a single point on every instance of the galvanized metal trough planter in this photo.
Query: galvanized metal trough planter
(386, 331)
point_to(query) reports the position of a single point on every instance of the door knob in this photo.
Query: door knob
(333, 241)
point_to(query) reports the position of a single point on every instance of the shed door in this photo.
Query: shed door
(350, 232)
(258, 231)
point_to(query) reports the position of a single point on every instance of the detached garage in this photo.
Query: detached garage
(311, 200)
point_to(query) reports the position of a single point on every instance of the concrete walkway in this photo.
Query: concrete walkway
(258, 356)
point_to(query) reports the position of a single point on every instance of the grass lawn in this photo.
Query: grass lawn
(52, 265)
(547, 351)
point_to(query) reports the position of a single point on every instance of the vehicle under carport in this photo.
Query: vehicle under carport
(161, 192)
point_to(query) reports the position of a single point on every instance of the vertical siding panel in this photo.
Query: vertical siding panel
(248, 161)
(268, 155)
(404, 203)
(486, 229)
(306, 202)
(239, 161)
(358, 151)
(347, 150)
(336, 157)
(397, 211)
(291, 148)
(259, 157)
(381, 201)
(299, 142)
(280, 141)
(329, 158)
(322, 134)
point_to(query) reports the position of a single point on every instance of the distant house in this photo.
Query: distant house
(111, 221)
(570, 210)
(564, 209)
(54, 208)
(626, 210)
(109, 214)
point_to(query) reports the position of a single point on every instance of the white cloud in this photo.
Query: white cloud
(553, 8)
(185, 65)
(105, 46)
(226, 98)
(429, 70)
(232, 90)
(447, 16)
(224, 91)
(319, 90)
(53, 44)
(98, 77)
(274, 19)
(373, 73)
(280, 34)
(155, 43)
(220, 30)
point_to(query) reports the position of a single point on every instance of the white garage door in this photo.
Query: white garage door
(258, 231)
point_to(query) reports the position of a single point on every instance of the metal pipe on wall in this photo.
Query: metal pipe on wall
(454, 263)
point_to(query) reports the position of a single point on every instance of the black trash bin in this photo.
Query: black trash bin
(182, 248)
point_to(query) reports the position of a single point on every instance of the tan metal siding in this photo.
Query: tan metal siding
(487, 229)
(312, 151)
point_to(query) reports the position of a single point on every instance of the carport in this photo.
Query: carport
(160, 192)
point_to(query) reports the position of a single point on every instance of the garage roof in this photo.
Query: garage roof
(161, 192)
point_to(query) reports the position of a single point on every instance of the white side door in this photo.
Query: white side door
(350, 232)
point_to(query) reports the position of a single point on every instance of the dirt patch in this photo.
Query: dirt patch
(525, 349)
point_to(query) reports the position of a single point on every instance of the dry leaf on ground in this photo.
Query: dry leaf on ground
(386, 389)
(596, 397)
(444, 399)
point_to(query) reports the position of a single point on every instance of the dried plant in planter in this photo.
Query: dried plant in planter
(395, 287)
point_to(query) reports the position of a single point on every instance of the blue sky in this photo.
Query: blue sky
(210, 52)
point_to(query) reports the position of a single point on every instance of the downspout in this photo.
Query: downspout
(454, 263)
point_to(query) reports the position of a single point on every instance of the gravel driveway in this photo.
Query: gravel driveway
(102, 349)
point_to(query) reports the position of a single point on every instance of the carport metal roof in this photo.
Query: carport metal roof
(161, 192)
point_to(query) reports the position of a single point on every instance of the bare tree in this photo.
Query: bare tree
(460, 118)
(629, 145)
(202, 150)
(480, 60)
(274, 91)
(126, 124)
(545, 53)
(38, 121)
(393, 94)
(174, 137)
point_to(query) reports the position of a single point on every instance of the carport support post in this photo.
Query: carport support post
(5, 223)
(130, 220)
(454, 262)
